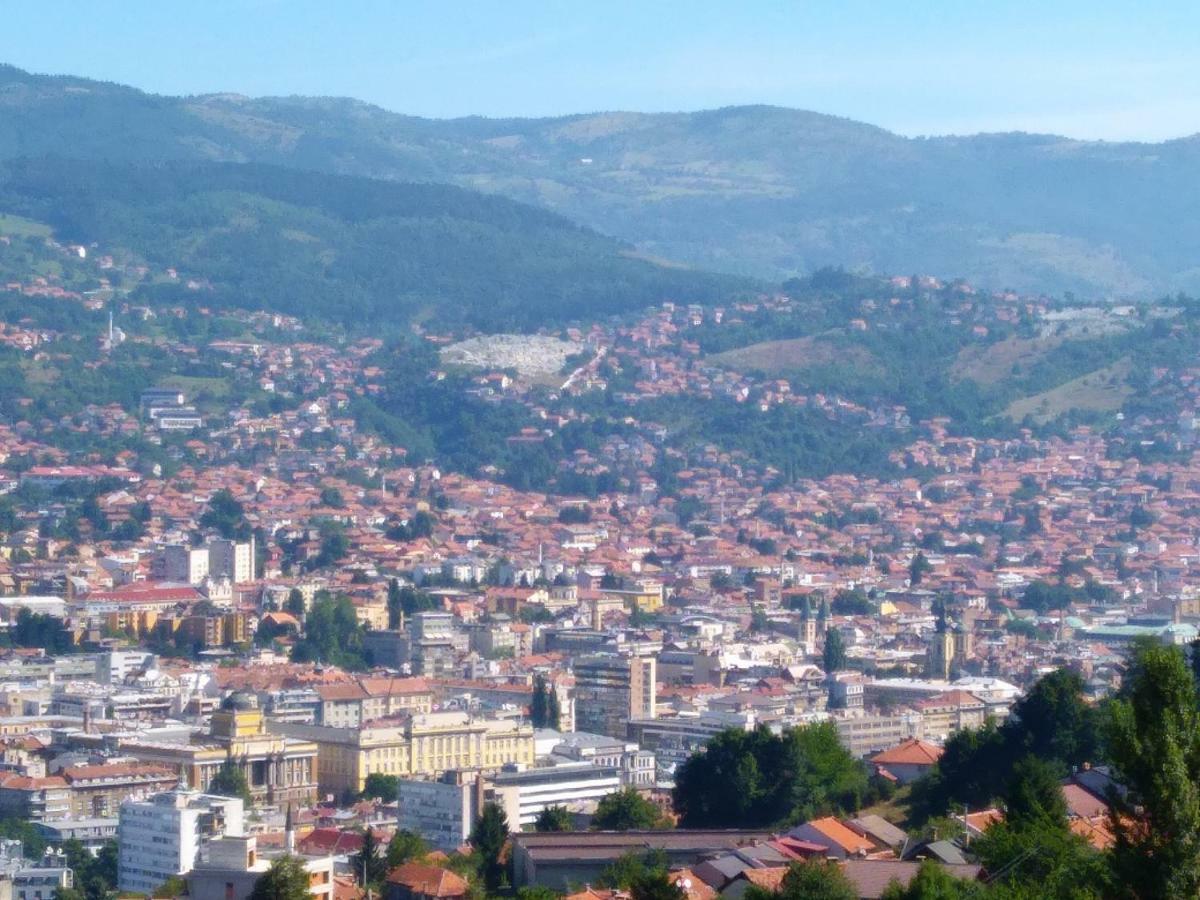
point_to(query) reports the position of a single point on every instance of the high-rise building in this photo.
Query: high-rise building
(232, 559)
(162, 836)
(442, 811)
(611, 690)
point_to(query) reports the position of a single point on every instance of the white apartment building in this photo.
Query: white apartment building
(523, 793)
(162, 835)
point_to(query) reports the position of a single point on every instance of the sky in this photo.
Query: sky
(1095, 70)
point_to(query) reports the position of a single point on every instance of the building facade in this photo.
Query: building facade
(612, 690)
(162, 836)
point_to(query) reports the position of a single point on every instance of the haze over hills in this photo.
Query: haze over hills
(763, 191)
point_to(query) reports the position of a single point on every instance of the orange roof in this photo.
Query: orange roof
(1095, 831)
(691, 885)
(911, 752)
(431, 881)
(768, 879)
(841, 835)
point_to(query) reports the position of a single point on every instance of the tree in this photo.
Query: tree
(332, 497)
(405, 845)
(627, 868)
(1033, 852)
(933, 882)
(1034, 795)
(226, 516)
(758, 779)
(369, 864)
(810, 880)
(626, 810)
(918, 569)
(395, 605)
(295, 603)
(539, 704)
(1154, 741)
(382, 787)
(230, 781)
(286, 879)
(488, 838)
(833, 656)
(32, 841)
(1053, 722)
(175, 886)
(553, 709)
(554, 818)
(656, 886)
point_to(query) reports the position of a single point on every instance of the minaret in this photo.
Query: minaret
(110, 328)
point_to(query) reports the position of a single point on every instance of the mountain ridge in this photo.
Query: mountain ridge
(756, 190)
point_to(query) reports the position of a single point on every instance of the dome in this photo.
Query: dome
(240, 700)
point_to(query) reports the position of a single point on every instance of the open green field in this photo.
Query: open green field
(16, 226)
(991, 364)
(779, 357)
(1104, 390)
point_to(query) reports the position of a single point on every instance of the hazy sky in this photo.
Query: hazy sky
(1086, 69)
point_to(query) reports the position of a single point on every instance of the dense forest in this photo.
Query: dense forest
(366, 254)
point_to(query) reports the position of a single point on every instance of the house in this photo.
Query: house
(417, 881)
(840, 842)
(908, 760)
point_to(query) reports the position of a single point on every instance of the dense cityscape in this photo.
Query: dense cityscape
(368, 538)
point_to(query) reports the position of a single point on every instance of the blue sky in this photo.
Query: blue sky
(1090, 70)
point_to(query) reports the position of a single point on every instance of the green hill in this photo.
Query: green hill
(365, 253)
(755, 190)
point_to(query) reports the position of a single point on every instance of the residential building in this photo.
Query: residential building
(162, 836)
(524, 792)
(442, 810)
(612, 690)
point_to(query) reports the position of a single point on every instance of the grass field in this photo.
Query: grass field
(995, 362)
(1104, 390)
(19, 227)
(193, 385)
(778, 357)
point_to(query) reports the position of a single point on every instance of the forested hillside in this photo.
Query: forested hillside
(344, 249)
(755, 190)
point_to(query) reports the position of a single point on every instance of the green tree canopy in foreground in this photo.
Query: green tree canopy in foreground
(758, 779)
(287, 879)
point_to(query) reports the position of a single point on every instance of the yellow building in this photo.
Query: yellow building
(647, 596)
(278, 769)
(423, 745)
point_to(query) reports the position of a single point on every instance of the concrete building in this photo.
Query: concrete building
(179, 563)
(232, 864)
(163, 835)
(612, 690)
(432, 643)
(523, 792)
(232, 559)
(93, 833)
(442, 811)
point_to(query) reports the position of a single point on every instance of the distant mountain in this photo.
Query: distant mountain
(369, 254)
(753, 190)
